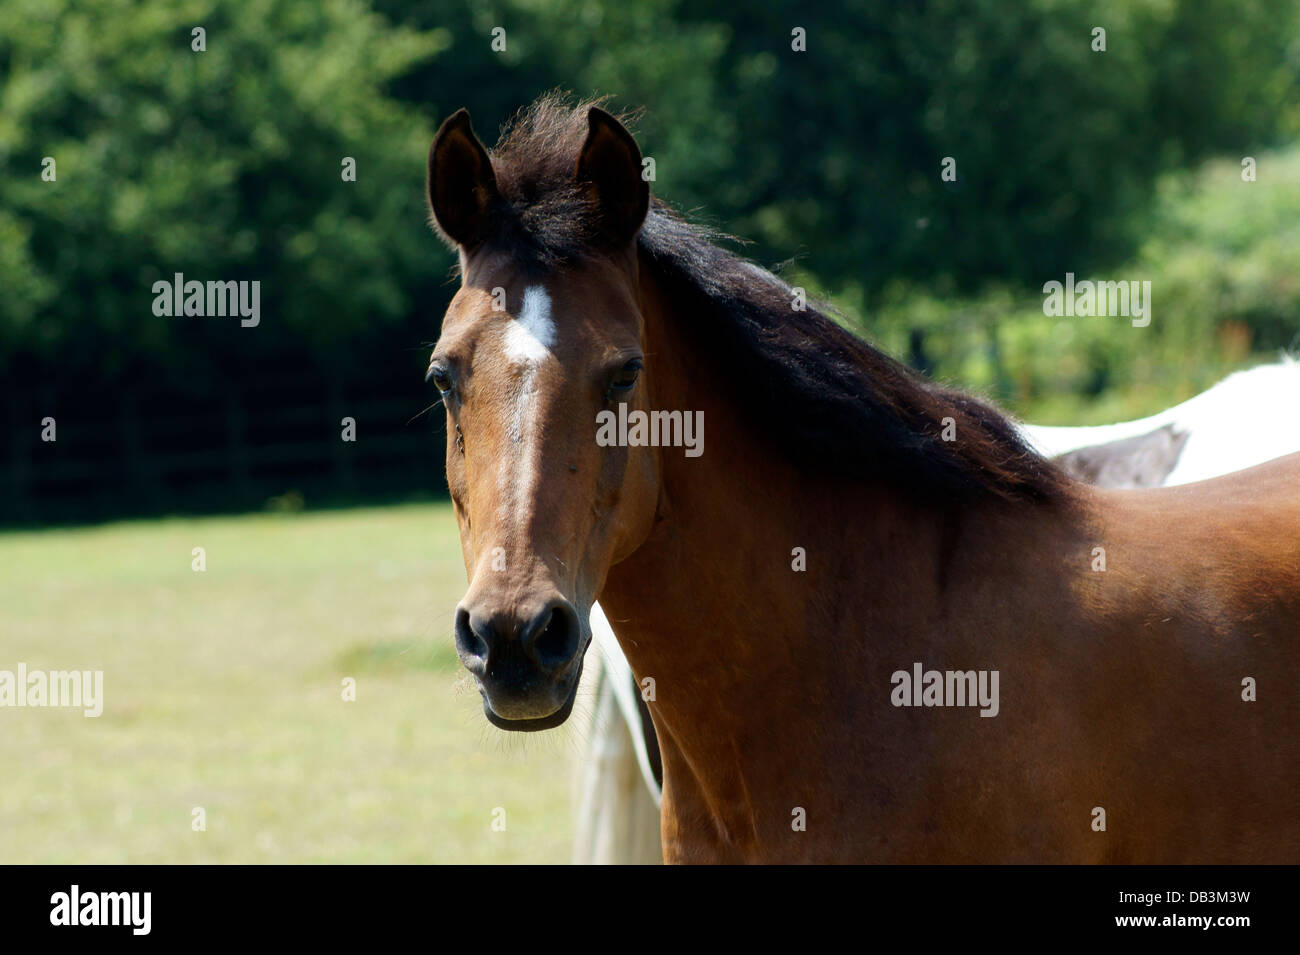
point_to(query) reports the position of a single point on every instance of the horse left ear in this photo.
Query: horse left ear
(610, 164)
(462, 186)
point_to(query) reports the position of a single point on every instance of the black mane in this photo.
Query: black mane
(839, 405)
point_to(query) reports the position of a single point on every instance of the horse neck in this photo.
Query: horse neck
(749, 649)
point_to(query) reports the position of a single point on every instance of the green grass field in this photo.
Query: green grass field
(223, 690)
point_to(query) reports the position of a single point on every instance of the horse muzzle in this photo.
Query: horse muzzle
(527, 665)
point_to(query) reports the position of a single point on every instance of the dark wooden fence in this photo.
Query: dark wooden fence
(270, 441)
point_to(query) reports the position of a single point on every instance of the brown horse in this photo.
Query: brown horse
(821, 590)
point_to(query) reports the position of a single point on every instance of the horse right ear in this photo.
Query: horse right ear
(609, 166)
(462, 186)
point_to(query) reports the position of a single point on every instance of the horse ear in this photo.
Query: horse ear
(462, 186)
(610, 163)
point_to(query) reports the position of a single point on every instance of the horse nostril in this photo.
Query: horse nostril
(552, 639)
(470, 647)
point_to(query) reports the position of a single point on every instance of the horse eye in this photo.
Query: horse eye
(625, 377)
(440, 377)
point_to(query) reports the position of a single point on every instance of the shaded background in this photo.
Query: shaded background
(226, 165)
(328, 561)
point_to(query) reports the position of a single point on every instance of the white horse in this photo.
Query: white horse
(1246, 419)
(618, 790)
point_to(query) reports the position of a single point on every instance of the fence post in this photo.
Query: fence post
(22, 424)
(237, 444)
(340, 450)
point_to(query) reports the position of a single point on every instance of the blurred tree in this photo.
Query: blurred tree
(221, 164)
(833, 153)
(1056, 146)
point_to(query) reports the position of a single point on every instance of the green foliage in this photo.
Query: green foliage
(833, 155)
(1223, 260)
(1056, 146)
(223, 164)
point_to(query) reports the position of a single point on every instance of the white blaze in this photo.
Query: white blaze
(529, 338)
